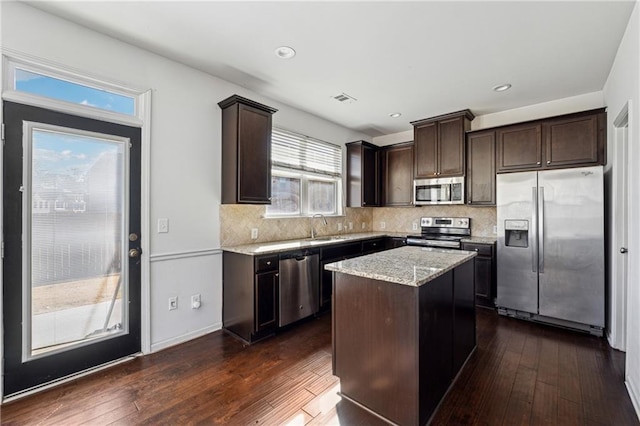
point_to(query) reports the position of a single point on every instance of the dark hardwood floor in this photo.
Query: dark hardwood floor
(520, 373)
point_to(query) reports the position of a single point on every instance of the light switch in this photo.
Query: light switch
(163, 225)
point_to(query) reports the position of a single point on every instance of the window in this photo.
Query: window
(55, 88)
(306, 176)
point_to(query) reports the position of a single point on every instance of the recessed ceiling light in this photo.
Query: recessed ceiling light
(285, 52)
(502, 87)
(395, 114)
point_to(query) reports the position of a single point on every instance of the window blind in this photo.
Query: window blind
(298, 152)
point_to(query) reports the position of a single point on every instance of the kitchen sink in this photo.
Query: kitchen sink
(330, 238)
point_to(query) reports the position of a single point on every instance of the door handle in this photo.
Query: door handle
(534, 229)
(623, 250)
(541, 231)
(135, 252)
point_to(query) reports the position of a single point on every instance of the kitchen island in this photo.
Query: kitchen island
(403, 327)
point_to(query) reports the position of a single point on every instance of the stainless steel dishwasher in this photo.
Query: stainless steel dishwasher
(299, 286)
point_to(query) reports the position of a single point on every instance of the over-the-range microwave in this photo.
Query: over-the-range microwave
(438, 191)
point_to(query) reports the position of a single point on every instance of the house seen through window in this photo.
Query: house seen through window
(306, 176)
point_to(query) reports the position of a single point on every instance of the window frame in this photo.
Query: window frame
(9, 93)
(305, 177)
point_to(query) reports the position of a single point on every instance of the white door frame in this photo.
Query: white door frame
(620, 214)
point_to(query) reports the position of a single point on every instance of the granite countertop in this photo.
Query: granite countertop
(288, 245)
(480, 240)
(412, 266)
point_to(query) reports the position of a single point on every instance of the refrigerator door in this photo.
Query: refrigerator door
(517, 260)
(571, 218)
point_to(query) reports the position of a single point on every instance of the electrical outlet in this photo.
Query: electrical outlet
(339, 227)
(495, 229)
(173, 303)
(254, 233)
(163, 225)
(383, 225)
(350, 225)
(414, 226)
(364, 225)
(196, 302)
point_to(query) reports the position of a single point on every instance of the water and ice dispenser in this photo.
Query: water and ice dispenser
(516, 233)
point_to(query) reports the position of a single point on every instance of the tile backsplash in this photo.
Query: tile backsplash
(401, 219)
(237, 221)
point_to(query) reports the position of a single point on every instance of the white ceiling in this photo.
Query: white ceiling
(418, 58)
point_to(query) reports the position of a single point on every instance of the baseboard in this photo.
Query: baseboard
(632, 389)
(158, 346)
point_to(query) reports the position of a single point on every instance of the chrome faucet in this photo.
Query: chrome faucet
(324, 221)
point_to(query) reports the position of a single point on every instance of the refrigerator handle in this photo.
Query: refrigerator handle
(533, 235)
(541, 232)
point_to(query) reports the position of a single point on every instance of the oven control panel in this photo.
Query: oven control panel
(445, 222)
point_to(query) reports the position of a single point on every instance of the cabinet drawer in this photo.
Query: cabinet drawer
(482, 249)
(341, 251)
(266, 263)
(372, 246)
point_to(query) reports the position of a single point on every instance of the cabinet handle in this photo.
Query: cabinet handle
(476, 249)
(538, 163)
(269, 263)
(277, 275)
(548, 161)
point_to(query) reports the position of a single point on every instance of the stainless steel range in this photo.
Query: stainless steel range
(443, 232)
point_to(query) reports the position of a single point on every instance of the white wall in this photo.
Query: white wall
(622, 87)
(185, 157)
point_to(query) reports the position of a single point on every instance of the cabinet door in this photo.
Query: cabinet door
(326, 285)
(572, 142)
(254, 155)
(266, 301)
(451, 147)
(519, 148)
(425, 139)
(481, 169)
(398, 175)
(371, 176)
(484, 276)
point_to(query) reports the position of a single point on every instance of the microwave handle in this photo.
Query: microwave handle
(446, 192)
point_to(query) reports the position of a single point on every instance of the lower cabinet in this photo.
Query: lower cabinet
(250, 295)
(266, 301)
(485, 273)
(250, 286)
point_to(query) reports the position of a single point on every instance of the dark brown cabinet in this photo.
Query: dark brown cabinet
(397, 175)
(572, 140)
(246, 151)
(250, 295)
(519, 147)
(485, 273)
(481, 168)
(439, 145)
(575, 141)
(363, 174)
(266, 301)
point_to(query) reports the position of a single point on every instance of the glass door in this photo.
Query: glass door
(72, 234)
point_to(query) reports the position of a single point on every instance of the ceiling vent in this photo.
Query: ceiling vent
(343, 97)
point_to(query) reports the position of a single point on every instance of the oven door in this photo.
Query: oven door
(431, 193)
(438, 191)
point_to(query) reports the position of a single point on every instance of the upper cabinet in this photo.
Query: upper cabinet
(363, 174)
(481, 168)
(246, 151)
(397, 175)
(439, 149)
(519, 147)
(572, 140)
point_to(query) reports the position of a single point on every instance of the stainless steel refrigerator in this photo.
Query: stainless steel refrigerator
(550, 260)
